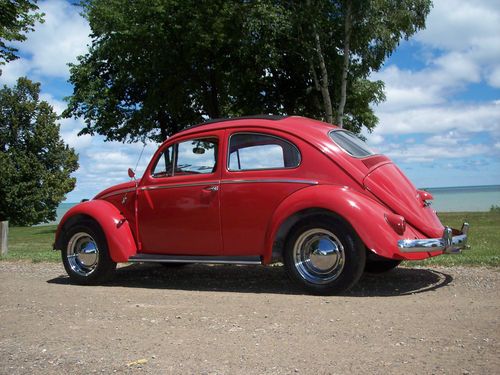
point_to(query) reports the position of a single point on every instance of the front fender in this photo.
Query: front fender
(121, 242)
(364, 214)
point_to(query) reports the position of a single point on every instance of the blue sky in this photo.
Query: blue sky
(440, 123)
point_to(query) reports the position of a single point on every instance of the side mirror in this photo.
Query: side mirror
(131, 173)
(198, 150)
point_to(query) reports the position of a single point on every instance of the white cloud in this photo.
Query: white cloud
(59, 40)
(494, 77)
(451, 138)
(423, 153)
(457, 25)
(441, 118)
(12, 71)
(460, 46)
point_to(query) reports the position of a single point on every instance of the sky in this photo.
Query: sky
(440, 122)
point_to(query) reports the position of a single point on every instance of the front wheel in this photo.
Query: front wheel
(85, 254)
(324, 257)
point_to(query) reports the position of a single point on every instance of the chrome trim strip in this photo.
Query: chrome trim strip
(270, 180)
(241, 181)
(448, 244)
(123, 191)
(173, 186)
(157, 258)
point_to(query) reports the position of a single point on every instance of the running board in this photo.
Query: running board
(156, 258)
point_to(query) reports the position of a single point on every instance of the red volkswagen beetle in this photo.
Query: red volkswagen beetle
(254, 191)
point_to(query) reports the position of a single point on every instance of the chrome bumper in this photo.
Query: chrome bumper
(452, 242)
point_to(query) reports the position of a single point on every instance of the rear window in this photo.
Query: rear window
(350, 143)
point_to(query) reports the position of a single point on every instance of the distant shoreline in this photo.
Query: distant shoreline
(463, 188)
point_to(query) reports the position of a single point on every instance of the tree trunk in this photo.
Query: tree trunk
(4, 232)
(345, 66)
(163, 122)
(325, 93)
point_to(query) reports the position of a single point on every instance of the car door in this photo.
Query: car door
(178, 200)
(262, 169)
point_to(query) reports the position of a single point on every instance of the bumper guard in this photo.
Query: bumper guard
(452, 242)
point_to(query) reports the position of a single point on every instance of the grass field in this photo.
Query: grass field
(35, 243)
(32, 243)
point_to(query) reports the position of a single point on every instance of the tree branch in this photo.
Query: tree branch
(345, 66)
(325, 93)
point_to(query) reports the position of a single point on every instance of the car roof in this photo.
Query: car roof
(300, 126)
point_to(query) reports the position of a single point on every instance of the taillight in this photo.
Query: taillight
(397, 222)
(425, 197)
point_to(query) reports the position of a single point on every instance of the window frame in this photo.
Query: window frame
(228, 158)
(175, 145)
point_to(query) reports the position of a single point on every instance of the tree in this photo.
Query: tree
(372, 31)
(17, 17)
(35, 163)
(156, 66)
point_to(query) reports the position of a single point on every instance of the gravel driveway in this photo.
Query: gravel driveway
(247, 320)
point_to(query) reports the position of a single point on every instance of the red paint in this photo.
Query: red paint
(121, 242)
(242, 216)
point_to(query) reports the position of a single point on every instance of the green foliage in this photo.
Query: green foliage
(17, 17)
(155, 66)
(494, 208)
(35, 163)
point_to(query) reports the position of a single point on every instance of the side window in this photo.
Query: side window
(250, 151)
(196, 156)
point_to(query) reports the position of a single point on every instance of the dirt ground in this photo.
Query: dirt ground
(247, 320)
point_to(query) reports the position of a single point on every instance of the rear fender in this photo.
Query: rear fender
(362, 213)
(121, 242)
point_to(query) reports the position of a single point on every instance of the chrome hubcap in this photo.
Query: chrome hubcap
(318, 256)
(82, 254)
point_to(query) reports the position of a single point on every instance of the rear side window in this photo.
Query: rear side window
(251, 151)
(350, 143)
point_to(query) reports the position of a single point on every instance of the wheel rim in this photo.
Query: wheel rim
(82, 254)
(318, 256)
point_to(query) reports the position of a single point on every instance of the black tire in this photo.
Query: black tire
(95, 265)
(381, 266)
(335, 265)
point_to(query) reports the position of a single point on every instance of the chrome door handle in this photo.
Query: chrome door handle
(212, 188)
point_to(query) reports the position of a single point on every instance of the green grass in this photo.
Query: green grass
(484, 239)
(35, 243)
(32, 243)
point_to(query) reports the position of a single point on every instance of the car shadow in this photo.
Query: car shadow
(262, 279)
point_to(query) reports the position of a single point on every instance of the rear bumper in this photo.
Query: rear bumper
(452, 242)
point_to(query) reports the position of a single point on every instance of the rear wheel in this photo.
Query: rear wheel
(85, 254)
(324, 256)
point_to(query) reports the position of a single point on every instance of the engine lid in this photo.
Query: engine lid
(392, 187)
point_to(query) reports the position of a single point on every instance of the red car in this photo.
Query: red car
(258, 190)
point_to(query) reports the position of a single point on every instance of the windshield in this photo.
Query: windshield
(350, 143)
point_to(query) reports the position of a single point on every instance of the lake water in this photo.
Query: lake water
(465, 198)
(447, 199)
